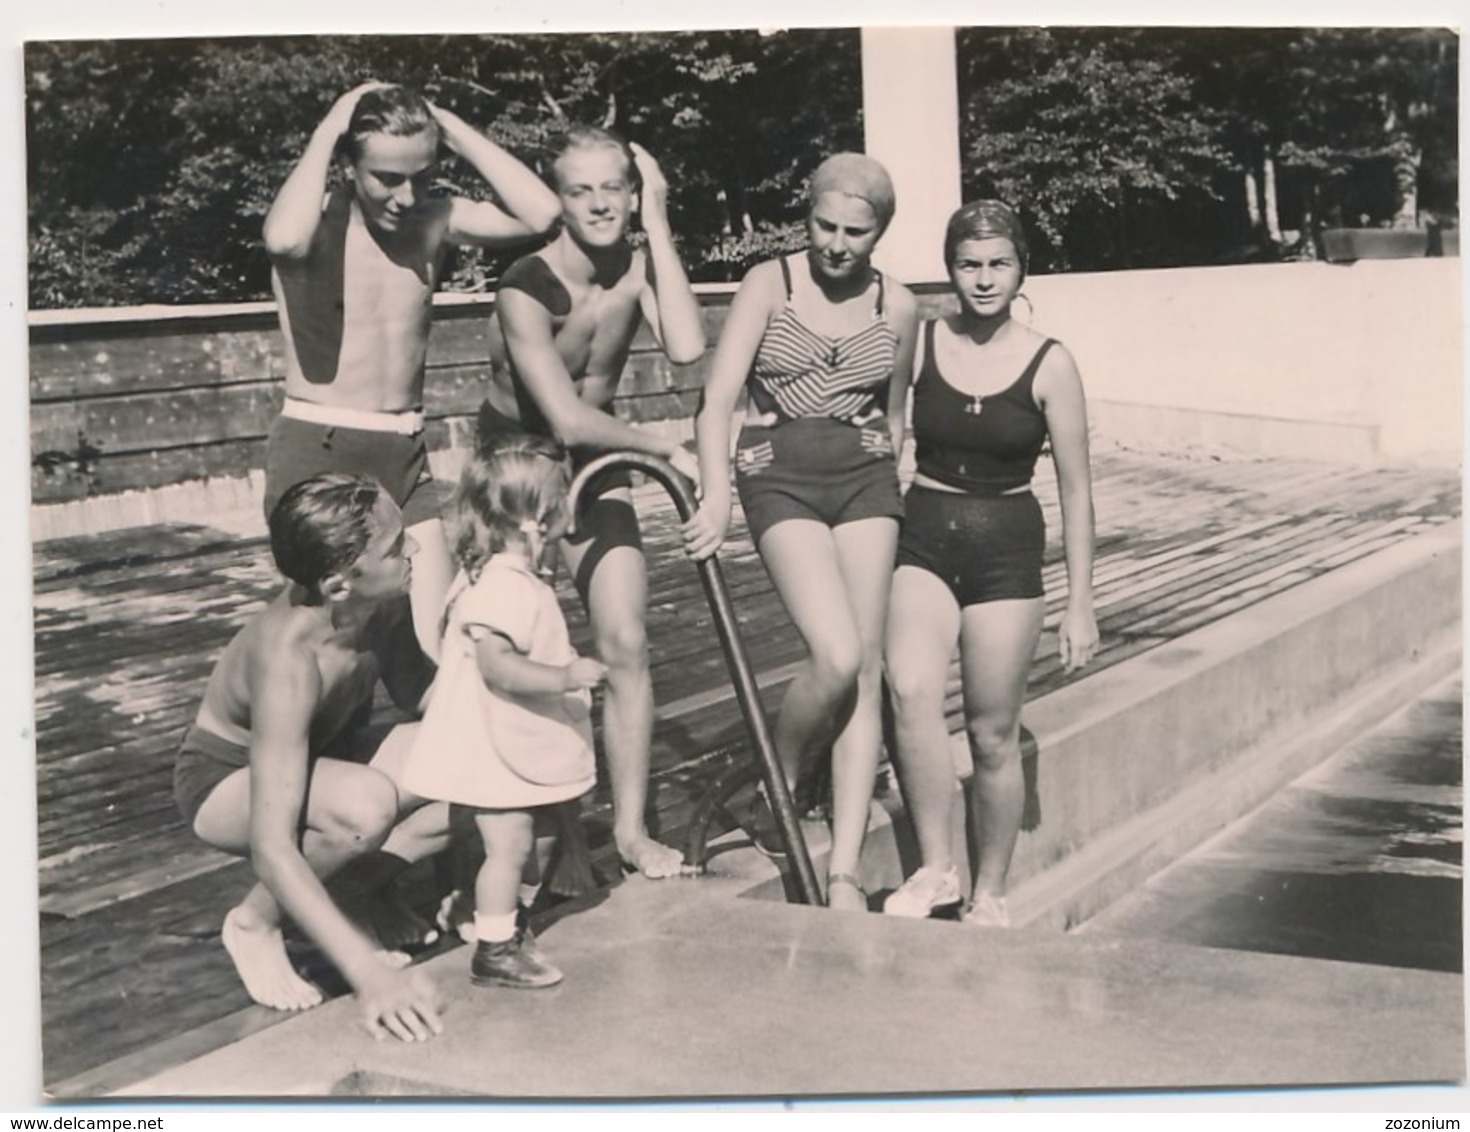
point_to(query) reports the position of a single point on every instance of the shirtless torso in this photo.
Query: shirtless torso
(354, 270)
(348, 664)
(592, 324)
(355, 313)
(267, 772)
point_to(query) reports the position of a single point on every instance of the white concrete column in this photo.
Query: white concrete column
(911, 123)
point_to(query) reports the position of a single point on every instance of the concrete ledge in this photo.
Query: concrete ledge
(1116, 863)
(1142, 762)
(1146, 760)
(732, 997)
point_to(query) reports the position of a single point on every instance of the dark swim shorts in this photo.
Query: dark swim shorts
(296, 450)
(816, 468)
(984, 548)
(204, 760)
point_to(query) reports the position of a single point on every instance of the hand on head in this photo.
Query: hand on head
(340, 115)
(655, 190)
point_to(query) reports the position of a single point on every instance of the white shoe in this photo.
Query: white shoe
(988, 911)
(923, 892)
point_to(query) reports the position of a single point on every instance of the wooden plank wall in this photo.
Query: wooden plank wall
(141, 400)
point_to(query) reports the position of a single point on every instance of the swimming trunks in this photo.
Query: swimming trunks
(296, 450)
(816, 468)
(204, 760)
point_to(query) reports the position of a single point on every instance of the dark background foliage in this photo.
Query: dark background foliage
(151, 163)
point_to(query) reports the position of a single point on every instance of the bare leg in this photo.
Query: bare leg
(509, 840)
(350, 812)
(865, 552)
(802, 558)
(617, 599)
(506, 953)
(456, 911)
(997, 647)
(433, 570)
(923, 630)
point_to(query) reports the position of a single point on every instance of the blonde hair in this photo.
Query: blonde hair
(521, 479)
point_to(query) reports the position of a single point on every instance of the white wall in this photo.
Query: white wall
(1360, 360)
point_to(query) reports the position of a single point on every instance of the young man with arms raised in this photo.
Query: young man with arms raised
(565, 319)
(354, 271)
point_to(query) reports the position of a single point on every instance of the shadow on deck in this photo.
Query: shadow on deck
(129, 623)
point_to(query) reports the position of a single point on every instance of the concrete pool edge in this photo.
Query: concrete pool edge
(1407, 588)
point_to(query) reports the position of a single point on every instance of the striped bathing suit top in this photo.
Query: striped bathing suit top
(800, 373)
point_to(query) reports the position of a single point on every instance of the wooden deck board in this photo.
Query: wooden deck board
(128, 624)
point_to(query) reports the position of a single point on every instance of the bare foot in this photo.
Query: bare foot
(393, 960)
(645, 855)
(457, 914)
(259, 955)
(395, 924)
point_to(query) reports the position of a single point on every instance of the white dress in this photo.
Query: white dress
(479, 747)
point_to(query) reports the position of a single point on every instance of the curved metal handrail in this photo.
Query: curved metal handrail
(747, 692)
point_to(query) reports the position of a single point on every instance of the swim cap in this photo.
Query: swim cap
(856, 175)
(984, 220)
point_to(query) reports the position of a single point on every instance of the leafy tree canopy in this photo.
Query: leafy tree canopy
(152, 163)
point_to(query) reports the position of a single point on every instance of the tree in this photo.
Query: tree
(1091, 134)
(1355, 122)
(152, 163)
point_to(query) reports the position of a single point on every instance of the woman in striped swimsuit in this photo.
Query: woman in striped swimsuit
(817, 339)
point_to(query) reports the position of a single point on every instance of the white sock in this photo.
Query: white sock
(494, 929)
(529, 892)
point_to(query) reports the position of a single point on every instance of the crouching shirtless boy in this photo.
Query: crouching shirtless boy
(279, 768)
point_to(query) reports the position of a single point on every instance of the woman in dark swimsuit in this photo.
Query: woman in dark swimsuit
(817, 338)
(989, 394)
